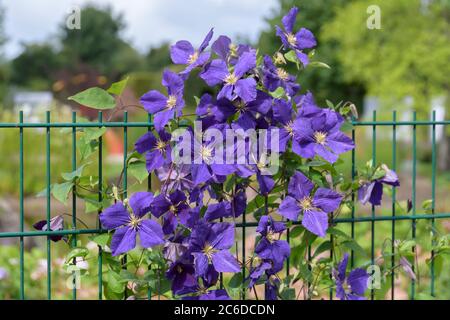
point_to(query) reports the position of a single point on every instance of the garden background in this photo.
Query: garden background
(403, 66)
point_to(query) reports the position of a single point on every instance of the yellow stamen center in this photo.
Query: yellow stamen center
(179, 269)
(320, 137)
(134, 221)
(306, 203)
(291, 39)
(160, 145)
(206, 153)
(271, 236)
(231, 79)
(282, 74)
(278, 58)
(209, 250)
(193, 57)
(240, 106)
(173, 209)
(233, 49)
(171, 102)
(288, 127)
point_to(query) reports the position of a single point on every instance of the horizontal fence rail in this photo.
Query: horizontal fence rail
(353, 220)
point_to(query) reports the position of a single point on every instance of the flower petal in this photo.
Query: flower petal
(246, 89)
(123, 240)
(327, 200)
(145, 143)
(150, 233)
(300, 186)
(180, 52)
(316, 222)
(140, 203)
(153, 101)
(224, 261)
(114, 216)
(289, 208)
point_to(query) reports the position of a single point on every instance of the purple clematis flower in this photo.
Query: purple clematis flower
(162, 107)
(274, 78)
(239, 202)
(271, 289)
(176, 177)
(303, 39)
(158, 149)
(213, 112)
(182, 275)
(209, 244)
(315, 208)
(184, 53)
(127, 219)
(228, 51)
(321, 135)
(209, 165)
(235, 85)
(56, 224)
(174, 209)
(219, 294)
(269, 248)
(218, 210)
(372, 191)
(353, 286)
(248, 112)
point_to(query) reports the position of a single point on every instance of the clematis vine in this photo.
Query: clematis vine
(372, 191)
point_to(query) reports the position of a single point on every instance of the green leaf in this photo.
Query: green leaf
(77, 252)
(138, 170)
(291, 56)
(427, 205)
(72, 176)
(353, 245)
(296, 231)
(95, 98)
(235, 281)
(115, 283)
(93, 133)
(319, 64)
(61, 191)
(118, 87)
(278, 93)
(101, 239)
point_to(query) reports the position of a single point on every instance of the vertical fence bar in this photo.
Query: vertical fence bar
(352, 254)
(22, 256)
(74, 201)
(125, 175)
(433, 198)
(374, 161)
(100, 200)
(49, 257)
(414, 171)
(243, 252)
(394, 167)
(149, 188)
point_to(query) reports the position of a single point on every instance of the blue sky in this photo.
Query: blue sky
(149, 22)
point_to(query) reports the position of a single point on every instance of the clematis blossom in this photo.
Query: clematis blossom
(351, 286)
(127, 220)
(313, 206)
(302, 39)
(165, 108)
(184, 53)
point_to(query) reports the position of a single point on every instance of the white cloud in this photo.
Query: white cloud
(149, 22)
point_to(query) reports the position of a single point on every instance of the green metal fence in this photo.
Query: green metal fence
(353, 220)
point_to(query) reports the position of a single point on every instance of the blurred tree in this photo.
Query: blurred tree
(35, 67)
(408, 56)
(96, 42)
(157, 58)
(324, 83)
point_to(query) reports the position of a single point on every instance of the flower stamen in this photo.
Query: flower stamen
(320, 137)
(193, 57)
(282, 74)
(231, 79)
(291, 39)
(171, 102)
